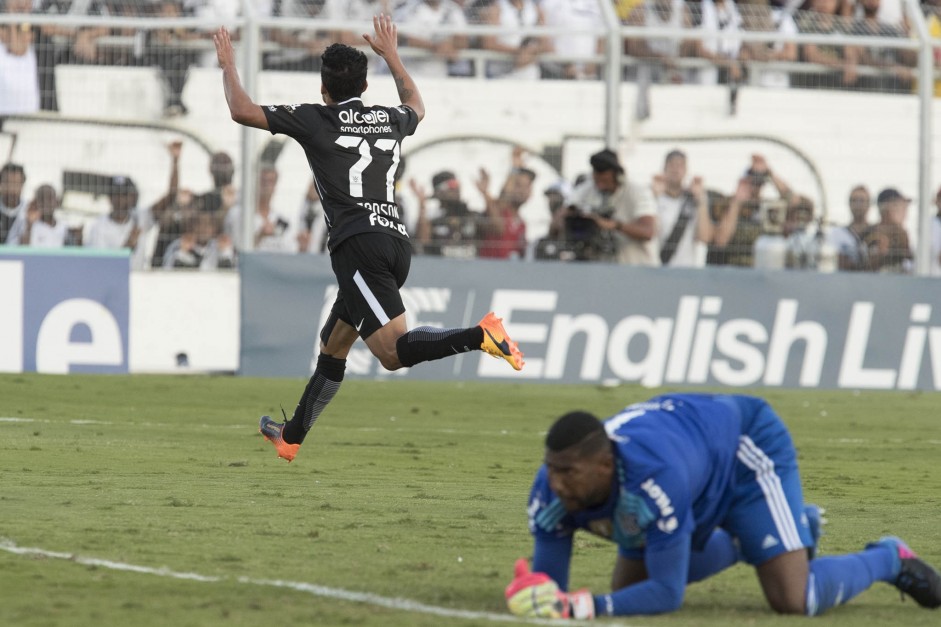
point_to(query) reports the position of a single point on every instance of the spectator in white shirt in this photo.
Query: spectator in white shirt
(118, 229)
(38, 226)
(685, 226)
(760, 16)
(573, 14)
(419, 21)
(274, 232)
(721, 16)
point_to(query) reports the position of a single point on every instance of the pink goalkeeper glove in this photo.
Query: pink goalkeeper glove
(535, 595)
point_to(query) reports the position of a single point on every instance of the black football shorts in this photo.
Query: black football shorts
(370, 268)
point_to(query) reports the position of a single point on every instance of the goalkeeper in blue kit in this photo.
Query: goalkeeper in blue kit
(687, 485)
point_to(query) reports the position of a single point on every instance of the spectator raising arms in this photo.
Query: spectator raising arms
(504, 233)
(685, 227)
(273, 231)
(747, 212)
(38, 227)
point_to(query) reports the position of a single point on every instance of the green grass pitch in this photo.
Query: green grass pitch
(404, 490)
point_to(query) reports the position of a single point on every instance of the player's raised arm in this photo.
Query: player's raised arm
(241, 107)
(385, 44)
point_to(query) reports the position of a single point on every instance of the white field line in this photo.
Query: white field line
(250, 425)
(394, 603)
(253, 425)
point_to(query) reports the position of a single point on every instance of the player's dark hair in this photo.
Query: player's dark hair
(577, 428)
(343, 72)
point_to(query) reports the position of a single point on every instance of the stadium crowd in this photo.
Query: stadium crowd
(603, 215)
(30, 52)
(672, 220)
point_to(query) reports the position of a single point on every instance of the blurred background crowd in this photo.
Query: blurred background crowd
(605, 214)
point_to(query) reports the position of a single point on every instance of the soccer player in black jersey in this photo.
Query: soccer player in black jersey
(353, 151)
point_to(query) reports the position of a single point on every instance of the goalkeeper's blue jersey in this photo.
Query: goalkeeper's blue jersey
(686, 464)
(675, 457)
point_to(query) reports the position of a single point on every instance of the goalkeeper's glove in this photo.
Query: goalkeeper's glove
(536, 595)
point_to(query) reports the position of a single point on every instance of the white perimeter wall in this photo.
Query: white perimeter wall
(192, 313)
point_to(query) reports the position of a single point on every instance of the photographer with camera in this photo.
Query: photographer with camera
(456, 230)
(611, 219)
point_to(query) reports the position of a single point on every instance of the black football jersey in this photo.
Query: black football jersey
(353, 151)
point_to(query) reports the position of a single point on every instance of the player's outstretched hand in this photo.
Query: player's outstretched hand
(536, 595)
(224, 51)
(385, 41)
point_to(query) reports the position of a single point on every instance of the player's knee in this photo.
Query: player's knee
(390, 362)
(669, 595)
(389, 359)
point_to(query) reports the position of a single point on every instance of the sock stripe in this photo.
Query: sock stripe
(430, 334)
(328, 390)
(811, 605)
(320, 390)
(429, 343)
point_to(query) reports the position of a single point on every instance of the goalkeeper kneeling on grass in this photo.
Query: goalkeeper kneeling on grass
(687, 485)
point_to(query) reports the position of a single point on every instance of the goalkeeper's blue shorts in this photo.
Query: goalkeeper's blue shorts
(767, 510)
